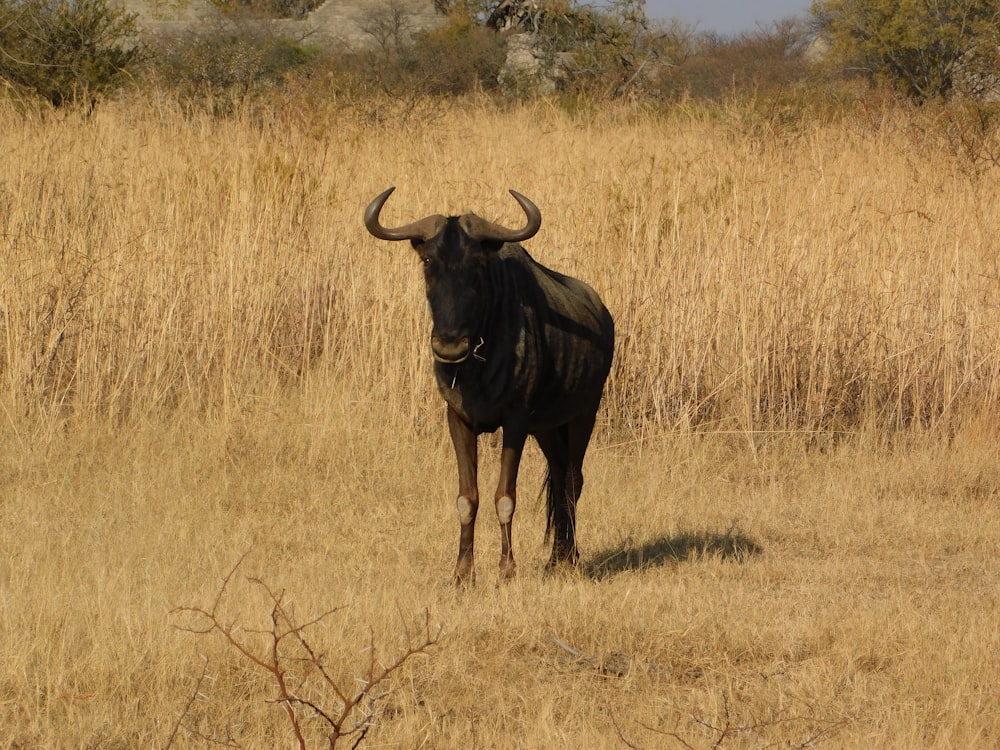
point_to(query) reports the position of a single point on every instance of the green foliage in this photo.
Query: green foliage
(270, 8)
(455, 58)
(924, 48)
(580, 49)
(232, 59)
(605, 49)
(617, 51)
(67, 50)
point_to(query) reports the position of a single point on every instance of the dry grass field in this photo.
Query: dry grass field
(216, 395)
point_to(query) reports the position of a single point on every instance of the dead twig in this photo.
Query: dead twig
(291, 671)
(187, 706)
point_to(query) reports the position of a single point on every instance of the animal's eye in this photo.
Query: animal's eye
(425, 259)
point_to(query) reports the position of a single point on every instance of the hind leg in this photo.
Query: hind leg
(565, 449)
(580, 430)
(560, 498)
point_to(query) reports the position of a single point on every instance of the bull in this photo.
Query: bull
(518, 347)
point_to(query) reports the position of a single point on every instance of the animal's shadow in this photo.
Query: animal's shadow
(729, 545)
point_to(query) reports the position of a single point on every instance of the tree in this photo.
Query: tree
(608, 49)
(67, 50)
(230, 60)
(766, 60)
(269, 8)
(924, 48)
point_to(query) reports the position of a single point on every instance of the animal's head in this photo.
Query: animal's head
(454, 251)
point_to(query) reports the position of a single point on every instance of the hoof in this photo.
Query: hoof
(508, 571)
(563, 565)
(464, 579)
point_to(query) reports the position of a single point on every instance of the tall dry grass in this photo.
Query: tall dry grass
(764, 274)
(202, 353)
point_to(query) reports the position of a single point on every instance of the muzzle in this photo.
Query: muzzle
(450, 351)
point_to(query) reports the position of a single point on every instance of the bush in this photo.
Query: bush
(67, 50)
(716, 67)
(270, 8)
(458, 57)
(233, 60)
(924, 50)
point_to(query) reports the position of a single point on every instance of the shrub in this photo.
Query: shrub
(270, 8)
(458, 57)
(924, 50)
(718, 66)
(234, 59)
(67, 50)
(455, 58)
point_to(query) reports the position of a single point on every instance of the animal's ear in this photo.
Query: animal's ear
(491, 246)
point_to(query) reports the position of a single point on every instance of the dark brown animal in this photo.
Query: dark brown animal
(518, 347)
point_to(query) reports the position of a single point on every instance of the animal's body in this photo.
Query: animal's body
(517, 347)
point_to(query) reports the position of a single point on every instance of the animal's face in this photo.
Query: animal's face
(455, 275)
(455, 253)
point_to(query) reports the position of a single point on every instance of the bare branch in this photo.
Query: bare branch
(187, 706)
(291, 670)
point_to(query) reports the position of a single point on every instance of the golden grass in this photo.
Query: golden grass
(764, 274)
(790, 528)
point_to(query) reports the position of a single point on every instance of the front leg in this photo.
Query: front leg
(506, 497)
(466, 453)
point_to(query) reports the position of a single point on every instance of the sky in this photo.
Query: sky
(727, 17)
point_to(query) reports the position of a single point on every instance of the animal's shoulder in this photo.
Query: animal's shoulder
(560, 290)
(515, 256)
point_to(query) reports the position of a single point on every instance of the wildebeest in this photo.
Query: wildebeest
(516, 346)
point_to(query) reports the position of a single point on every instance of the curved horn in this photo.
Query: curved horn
(480, 229)
(418, 230)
